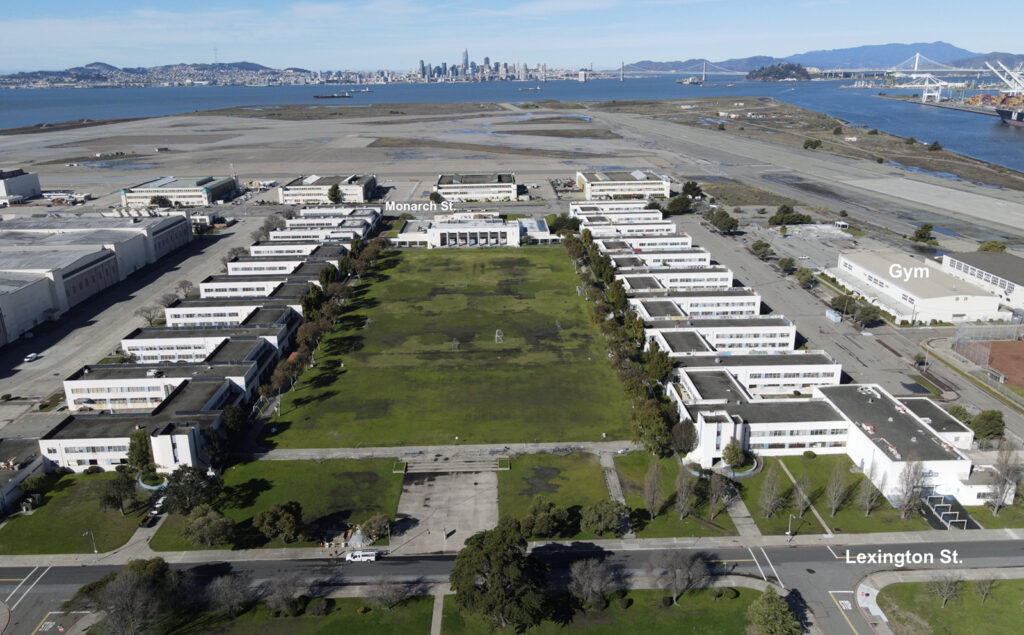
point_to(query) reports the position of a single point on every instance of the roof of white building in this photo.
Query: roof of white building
(1004, 265)
(935, 283)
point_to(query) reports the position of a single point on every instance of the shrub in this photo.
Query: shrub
(5, 397)
(320, 606)
(666, 600)
(363, 609)
(620, 593)
(94, 469)
(730, 593)
(809, 454)
(625, 603)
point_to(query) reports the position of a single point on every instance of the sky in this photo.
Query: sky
(396, 34)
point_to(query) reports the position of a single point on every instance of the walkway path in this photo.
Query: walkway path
(611, 479)
(409, 451)
(824, 525)
(741, 517)
(440, 590)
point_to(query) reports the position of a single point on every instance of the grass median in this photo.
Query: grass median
(912, 609)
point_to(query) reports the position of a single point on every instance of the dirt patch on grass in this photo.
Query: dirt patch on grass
(737, 194)
(540, 482)
(396, 142)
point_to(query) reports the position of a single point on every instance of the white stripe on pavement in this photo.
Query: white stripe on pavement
(757, 563)
(19, 585)
(769, 560)
(29, 590)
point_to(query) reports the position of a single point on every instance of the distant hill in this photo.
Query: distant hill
(872, 56)
(880, 55)
(779, 72)
(100, 66)
(1011, 60)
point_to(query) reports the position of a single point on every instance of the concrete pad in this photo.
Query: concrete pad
(433, 505)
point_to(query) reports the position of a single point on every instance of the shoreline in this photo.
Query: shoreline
(61, 126)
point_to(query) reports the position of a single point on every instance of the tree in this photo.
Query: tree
(375, 527)
(984, 588)
(231, 594)
(992, 245)
(544, 519)
(649, 427)
(868, 495)
(652, 489)
(634, 325)
(167, 299)
(762, 250)
(334, 194)
(130, 604)
(160, 201)
(184, 287)
(117, 492)
(686, 486)
(718, 494)
(802, 499)
(923, 233)
(772, 615)
(659, 364)
(909, 488)
(723, 222)
(867, 314)
(845, 304)
(388, 594)
(805, 277)
(787, 265)
(590, 580)
(616, 295)
(910, 141)
(786, 215)
(140, 451)
(988, 424)
(206, 526)
(935, 146)
(961, 414)
(187, 488)
(1008, 471)
(494, 577)
(835, 490)
(733, 454)
(603, 517)
(149, 313)
(679, 205)
(946, 587)
(684, 437)
(283, 520)
(771, 497)
(435, 197)
(680, 571)
(812, 144)
(692, 189)
(235, 252)
(235, 419)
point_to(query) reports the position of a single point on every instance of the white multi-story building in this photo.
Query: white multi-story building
(229, 344)
(743, 334)
(609, 230)
(250, 286)
(617, 218)
(623, 244)
(283, 248)
(683, 305)
(17, 186)
(683, 279)
(679, 259)
(229, 311)
(293, 264)
(912, 290)
(578, 209)
(775, 373)
(998, 273)
(314, 190)
(186, 192)
(622, 184)
(477, 187)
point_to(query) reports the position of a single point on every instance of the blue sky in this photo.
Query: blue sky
(396, 34)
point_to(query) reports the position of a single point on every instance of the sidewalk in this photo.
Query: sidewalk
(741, 517)
(400, 452)
(611, 479)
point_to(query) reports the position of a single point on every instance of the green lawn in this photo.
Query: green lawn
(632, 469)
(421, 364)
(69, 509)
(850, 517)
(574, 481)
(332, 493)
(1012, 516)
(412, 616)
(697, 613)
(750, 492)
(912, 610)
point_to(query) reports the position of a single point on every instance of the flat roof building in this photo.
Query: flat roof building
(315, 190)
(913, 290)
(186, 192)
(477, 187)
(618, 184)
(998, 273)
(18, 185)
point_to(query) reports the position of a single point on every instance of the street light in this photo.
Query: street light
(94, 549)
(789, 530)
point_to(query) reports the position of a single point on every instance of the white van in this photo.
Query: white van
(362, 556)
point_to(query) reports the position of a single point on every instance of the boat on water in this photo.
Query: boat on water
(363, 90)
(531, 88)
(690, 81)
(1011, 117)
(333, 96)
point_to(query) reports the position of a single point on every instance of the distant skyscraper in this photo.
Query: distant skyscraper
(465, 58)
(423, 69)
(487, 62)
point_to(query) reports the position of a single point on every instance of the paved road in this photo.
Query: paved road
(821, 575)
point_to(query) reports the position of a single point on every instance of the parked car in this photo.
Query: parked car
(362, 556)
(31, 357)
(147, 521)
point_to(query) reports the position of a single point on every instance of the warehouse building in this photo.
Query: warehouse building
(998, 273)
(186, 192)
(18, 186)
(477, 187)
(621, 184)
(315, 190)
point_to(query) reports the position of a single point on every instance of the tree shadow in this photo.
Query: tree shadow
(798, 606)
(245, 494)
(308, 399)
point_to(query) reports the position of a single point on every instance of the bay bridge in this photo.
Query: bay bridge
(916, 64)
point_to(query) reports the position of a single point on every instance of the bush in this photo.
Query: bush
(809, 454)
(6, 397)
(363, 609)
(625, 603)
(666, 600)
(620, 593)
(320, 606)
(730, 593)
(301, 603)
(94, 469)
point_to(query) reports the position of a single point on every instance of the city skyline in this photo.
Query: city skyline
(566, 33)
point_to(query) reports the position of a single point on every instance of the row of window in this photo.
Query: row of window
(797, 433)
(796, 446)
(752, 336)
(983, 275)
(114, 389)
(90, 449)
(787, 375)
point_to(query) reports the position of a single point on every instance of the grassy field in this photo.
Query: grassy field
(332, 493)
(697, 612)
(850, 517)
(574, 481)
(1012, 516)
(70, 508)
(421, 365)
(412, 616)
(632, 469)
(912, 610)
(734, 194)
